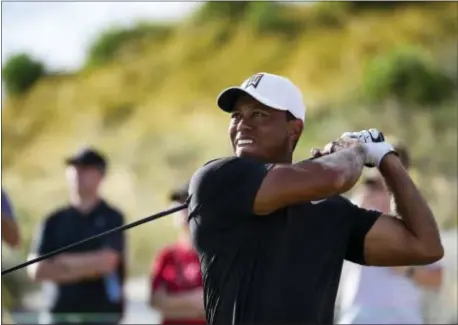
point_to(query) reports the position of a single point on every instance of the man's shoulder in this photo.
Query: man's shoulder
(57, 213)
(229, 165)
(210, 167)
(7, 209)
(220, 161)
(224, 174)
(55, 218)
(217, 160)
(111, 209)
(233, 160)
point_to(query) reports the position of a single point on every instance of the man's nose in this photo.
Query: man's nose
(244, 124)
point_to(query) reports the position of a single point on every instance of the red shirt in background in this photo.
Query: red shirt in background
(177, 269)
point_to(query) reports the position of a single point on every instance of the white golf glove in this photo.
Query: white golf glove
(376, 146)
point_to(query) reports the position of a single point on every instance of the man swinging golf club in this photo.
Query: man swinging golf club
(272, 235)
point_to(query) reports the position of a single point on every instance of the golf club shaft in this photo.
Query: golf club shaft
(121, 228)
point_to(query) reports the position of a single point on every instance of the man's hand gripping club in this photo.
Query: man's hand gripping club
(373, 143)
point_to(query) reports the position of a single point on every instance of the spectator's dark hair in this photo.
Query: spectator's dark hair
(401, 149)
(403, 154)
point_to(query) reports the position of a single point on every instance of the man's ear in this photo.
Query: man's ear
(296, 127)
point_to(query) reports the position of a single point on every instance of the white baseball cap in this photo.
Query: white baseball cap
(269, 89)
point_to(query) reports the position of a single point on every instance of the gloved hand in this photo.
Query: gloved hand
(375, 143)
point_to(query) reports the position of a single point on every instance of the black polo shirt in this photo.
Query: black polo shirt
(67, 226)
(282, 268)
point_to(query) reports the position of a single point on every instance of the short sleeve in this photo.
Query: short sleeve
(157, 269)
(362, 221)
(42, 240)
(226, 188)
(7, 208)
(116, 240)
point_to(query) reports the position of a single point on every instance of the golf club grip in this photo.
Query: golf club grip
(120, 228)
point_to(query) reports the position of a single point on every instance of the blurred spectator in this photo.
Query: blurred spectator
(89, 278)
(177, 288)
(384, 295)
(10, 229)
(10, 235)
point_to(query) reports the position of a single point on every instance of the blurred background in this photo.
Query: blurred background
(139, 82)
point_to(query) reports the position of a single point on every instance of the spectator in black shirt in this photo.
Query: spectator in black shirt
(89, 278)
(272, 235)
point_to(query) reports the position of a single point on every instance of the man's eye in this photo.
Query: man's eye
(259, 114)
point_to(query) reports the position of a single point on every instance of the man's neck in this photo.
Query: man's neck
(85, 204)
(282, 160)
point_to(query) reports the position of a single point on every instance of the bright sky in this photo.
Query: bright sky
(59, 33)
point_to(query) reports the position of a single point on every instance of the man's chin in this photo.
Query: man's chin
(248, 152)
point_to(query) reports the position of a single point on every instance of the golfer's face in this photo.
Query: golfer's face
(257, 130)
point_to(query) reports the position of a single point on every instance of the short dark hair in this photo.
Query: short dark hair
(180, 194)
(401, 149)
(403, 154)
(88, 156)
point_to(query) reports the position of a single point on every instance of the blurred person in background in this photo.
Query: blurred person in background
(176, 288)
(10, 236)
(10, 228)
(381, 295)
(89, 278)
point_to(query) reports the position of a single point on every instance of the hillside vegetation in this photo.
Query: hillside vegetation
(151, 105)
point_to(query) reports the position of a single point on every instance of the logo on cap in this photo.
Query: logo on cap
(254, 80)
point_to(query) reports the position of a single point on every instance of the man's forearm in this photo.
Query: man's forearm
(349, 163)
(411, 206)
(53, 271)
(10, 231)
(175, 306)
(88, 264)
(430, 278)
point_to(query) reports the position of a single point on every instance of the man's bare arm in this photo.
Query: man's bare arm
(72, 267)
(429, 278)
(90, 264)
(50, 270)
(178, 305)
(10, 231)
(414, 240)
(425, 276)
(288, 184)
